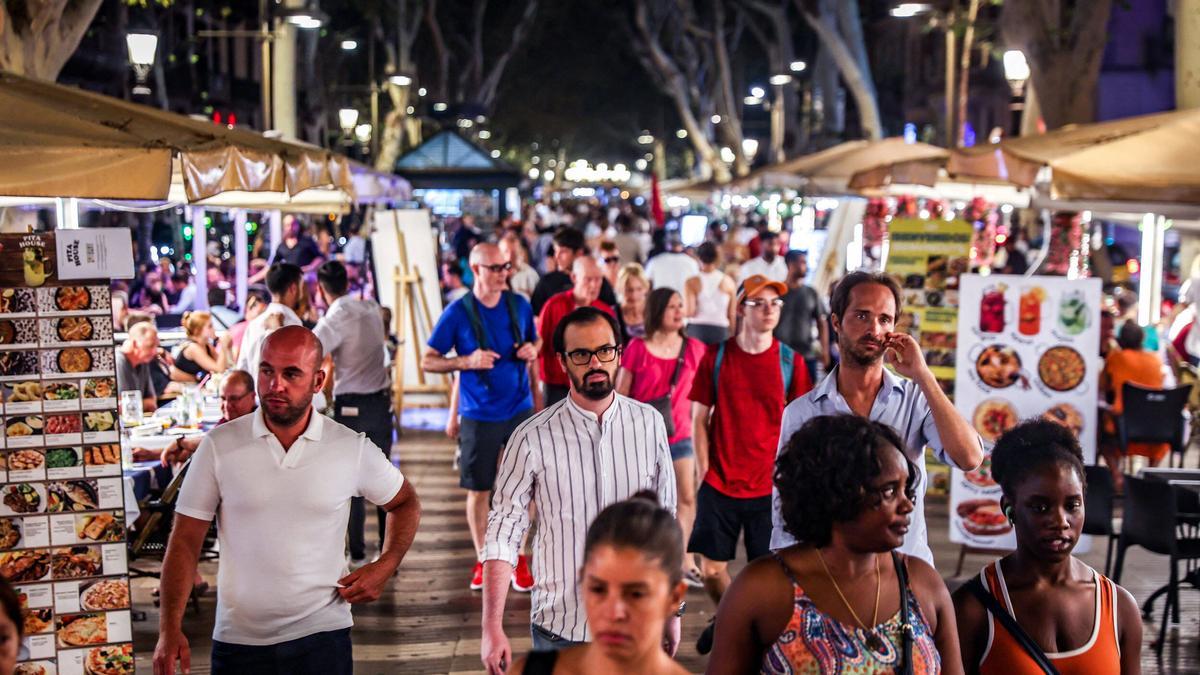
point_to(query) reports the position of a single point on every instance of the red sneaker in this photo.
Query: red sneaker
(522, 578)
(477, 577)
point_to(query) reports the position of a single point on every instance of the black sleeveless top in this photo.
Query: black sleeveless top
(183, 363)
(540, 663)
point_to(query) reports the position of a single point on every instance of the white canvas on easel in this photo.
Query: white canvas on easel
(405, 258)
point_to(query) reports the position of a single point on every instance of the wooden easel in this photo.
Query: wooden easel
(412, 314)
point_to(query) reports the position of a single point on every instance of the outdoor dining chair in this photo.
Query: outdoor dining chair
(1154, 520)
(1098, 509)
(1153, 416)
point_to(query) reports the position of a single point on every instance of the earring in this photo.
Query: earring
(1008, 513)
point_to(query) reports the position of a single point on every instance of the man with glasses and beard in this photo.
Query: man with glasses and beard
(592, 449)
(281, 480)
(863, 308)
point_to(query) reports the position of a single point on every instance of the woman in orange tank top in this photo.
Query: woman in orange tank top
(1081, 621)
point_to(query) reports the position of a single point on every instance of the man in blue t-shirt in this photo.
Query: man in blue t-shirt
(492, 332)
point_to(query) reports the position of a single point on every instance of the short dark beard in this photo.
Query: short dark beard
(859, 357)
(597, 391)
(290, 416)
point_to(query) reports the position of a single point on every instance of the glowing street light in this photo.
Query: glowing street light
(780, 79)
(907, 10)
(645, 138)
(716, 119)
(347, 119)
(681, 134)
(400, 80)
(1016, 68)
(349, 45)
(142, 47)
(757, 92)
(797, 66)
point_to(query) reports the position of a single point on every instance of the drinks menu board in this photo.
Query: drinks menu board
(62, 518)
(1028, 347)
(927, 257)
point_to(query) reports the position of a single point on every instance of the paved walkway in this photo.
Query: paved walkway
(428, 622)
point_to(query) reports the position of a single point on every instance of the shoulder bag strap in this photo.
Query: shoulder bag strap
(678, 366)
(787, 367)
(717, 371)
(906, 629)
(999, 613)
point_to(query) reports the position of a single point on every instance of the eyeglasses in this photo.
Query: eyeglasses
(773, 302)
(498, 268)
(582, 357)
(612, 260)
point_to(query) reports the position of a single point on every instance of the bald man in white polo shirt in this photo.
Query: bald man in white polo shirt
(281, 480)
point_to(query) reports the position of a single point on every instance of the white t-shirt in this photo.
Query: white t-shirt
(256, 332)
(776, 270)
(282, 522)
(671, 270)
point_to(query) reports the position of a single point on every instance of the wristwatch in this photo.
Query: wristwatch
(682, 609)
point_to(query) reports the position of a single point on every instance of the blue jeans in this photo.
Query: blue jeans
(327, 653)
(545, 641)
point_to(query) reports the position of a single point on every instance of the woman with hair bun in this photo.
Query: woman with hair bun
(202, 352)
(841, 600)
(1055, 608)
(632, 583)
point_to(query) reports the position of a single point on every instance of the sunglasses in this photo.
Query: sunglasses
(612, 260)
(498, 268)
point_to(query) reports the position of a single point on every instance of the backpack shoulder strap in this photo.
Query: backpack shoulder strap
(787, 363)
(468, 302)
(514, 318)
(717, 370)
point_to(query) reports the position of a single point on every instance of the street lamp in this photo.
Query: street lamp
(907, 10)
(1016, 71)
(347, 119)
(400, 80)
(797, 66)
(142, 47)
(681, 134)
(362, 133)
(750, 148)
(778, 81)
(645, 138)
(349, 45)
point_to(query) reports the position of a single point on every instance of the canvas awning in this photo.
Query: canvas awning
(59, 141)
(854, 165)
(1145, 159)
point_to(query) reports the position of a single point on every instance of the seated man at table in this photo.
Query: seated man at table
(237, 399)
(133, 363)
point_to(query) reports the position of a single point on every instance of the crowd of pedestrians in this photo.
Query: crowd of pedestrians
(647, 412)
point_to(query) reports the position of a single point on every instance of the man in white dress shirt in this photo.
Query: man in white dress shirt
(355, 344)
(768, 263)
(281, 480)
(284, 282)
(864, 307)
(574, 458)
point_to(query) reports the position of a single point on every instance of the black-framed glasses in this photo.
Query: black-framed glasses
(582, 357)
(498, 268)
(612, 259)
(773, 302)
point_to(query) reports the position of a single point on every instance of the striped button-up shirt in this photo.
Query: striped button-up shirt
(571, 466)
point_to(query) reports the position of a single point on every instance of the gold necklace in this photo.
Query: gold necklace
(874, 642)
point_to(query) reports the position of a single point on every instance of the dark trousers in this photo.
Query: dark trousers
(326, 653)
(372, 415)
(556, 393)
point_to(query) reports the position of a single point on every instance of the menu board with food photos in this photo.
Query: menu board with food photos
(1029, 347)
(62, 510)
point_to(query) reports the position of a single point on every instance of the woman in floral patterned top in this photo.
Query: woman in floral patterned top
(831, 604)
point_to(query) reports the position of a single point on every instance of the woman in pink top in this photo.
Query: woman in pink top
(648, 366)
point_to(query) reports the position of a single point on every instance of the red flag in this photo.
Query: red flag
(656, 208)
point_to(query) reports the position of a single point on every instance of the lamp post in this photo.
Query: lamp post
(778, 81)
(142, 47)
(1016, 71)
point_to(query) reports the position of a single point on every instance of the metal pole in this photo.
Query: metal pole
(265, 66)
(241, 256)
(777, 120)
(200, 257)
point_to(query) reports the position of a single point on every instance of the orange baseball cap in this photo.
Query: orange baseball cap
(755, 283)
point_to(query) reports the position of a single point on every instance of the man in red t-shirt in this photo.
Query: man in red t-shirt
(587, 279)
(736, 411)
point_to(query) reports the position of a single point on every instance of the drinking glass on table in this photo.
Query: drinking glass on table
(131, 409)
